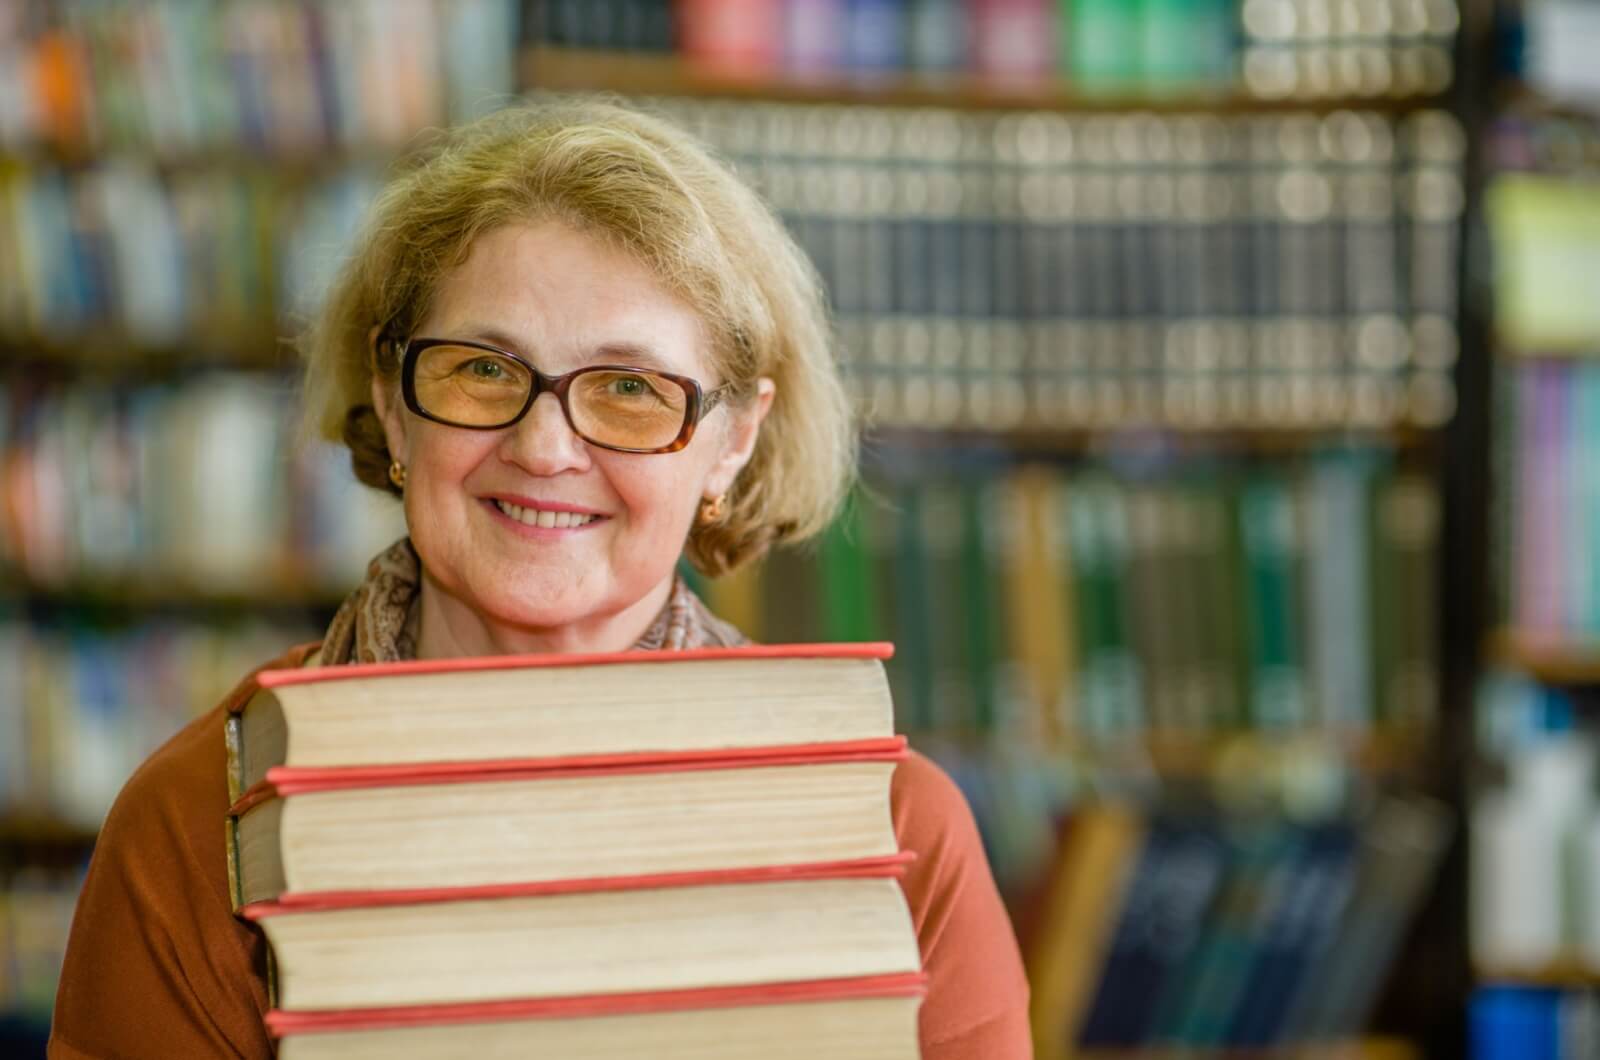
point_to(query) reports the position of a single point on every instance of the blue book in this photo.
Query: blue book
(1513, 1023)
(875, 35)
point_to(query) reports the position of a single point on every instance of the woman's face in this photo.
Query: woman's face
(561, 299)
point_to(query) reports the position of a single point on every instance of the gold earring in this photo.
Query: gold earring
(711, 509)
(397, 474)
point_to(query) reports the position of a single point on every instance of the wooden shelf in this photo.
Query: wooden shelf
(1578, 352)
(667, 74)
(41, 831)
(1229, 756)
(1567, 973)
(1224, 756)
(1522, 98)
(114, 352)
(170, 594)
(882, 444)
(282, 164)
(1550, 661)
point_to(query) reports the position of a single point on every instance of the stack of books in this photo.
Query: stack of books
(669, 854)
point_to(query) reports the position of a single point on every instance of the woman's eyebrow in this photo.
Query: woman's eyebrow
(494, 336)
(621, 350)
(632, 353)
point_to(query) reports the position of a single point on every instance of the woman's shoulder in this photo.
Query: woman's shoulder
(932, 818)
(156, 959)
(924, 793)
(977, 994)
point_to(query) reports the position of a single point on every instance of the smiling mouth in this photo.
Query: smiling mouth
(546, 519)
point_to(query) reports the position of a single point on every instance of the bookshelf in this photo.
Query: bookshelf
(1569, 973)
(1548, 661)
(278, 595)
(108, 352)
(630, 73)
(910, 451)
(1536, 663)
(43, 834)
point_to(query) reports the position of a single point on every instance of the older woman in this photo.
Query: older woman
(577, 348)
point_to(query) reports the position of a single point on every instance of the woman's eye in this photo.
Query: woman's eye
(630, 387)
(482, 368)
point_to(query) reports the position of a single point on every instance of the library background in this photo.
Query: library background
(1231, 481)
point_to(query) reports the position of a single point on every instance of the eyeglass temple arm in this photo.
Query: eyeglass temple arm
(711, 399)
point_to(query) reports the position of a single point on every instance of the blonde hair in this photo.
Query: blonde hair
(652, 190)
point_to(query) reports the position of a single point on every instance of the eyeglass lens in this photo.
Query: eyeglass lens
(627, 408)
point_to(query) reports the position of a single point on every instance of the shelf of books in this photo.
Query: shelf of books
(1151, 314)
(1536, 963)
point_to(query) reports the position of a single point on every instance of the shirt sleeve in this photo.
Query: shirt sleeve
(156, 963)
(977, 1002)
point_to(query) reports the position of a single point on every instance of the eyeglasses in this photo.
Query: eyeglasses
(484, 388)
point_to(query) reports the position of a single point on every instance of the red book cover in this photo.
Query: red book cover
(315, 674)
(289, 780)
(282, 1024)
(741, 38)
(892, 865)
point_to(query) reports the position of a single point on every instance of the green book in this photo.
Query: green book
(983, 614)
(1152, 597)
(1110, 698)
(1219, 615)
(1185, 43)
(1105, 44)
(1194, 713)
(1272, 550)
(911, 668)
(849, 607)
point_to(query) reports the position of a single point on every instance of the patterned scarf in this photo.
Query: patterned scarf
(378, 621)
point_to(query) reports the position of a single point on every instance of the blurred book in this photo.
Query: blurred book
(1042, 271)
(170, 77)
(179, 492)
(1195, 930)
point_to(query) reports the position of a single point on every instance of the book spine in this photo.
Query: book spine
(1277, 693)
(231, 845)
(849, 610)
(1409, 517)
(1338, 635)
(914, 615)
(233, 737)
(1113, 1012)
(1318, 894)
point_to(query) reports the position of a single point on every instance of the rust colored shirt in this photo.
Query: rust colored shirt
(157, 965)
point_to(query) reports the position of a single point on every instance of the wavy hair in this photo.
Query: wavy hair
(654, 191)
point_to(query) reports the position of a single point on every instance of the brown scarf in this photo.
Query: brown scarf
(378, 621)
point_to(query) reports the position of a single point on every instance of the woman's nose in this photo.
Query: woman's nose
(543, 442)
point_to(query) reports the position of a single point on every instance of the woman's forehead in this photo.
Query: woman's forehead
(561, 297)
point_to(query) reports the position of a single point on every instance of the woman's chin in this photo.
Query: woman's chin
(533, 609)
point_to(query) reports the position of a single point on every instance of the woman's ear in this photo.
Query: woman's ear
(385, 401)
(744, 427)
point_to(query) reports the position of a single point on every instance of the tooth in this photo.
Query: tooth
(547, 519)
